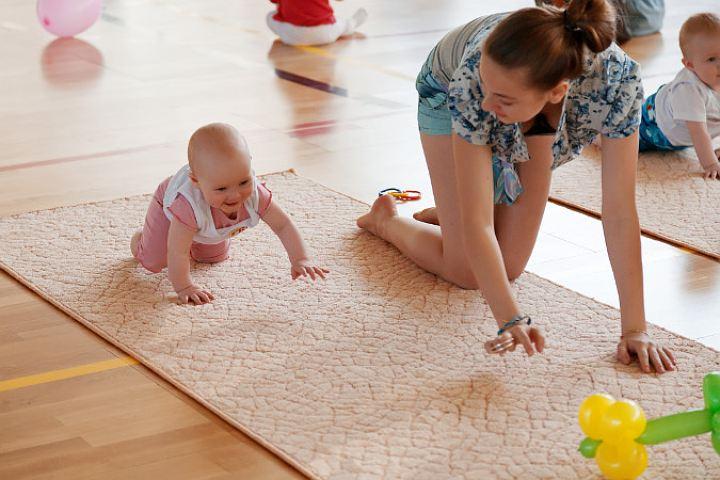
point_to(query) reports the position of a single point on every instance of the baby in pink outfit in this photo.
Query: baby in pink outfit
(194, 213)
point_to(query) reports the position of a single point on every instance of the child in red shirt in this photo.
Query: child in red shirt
(310, 22)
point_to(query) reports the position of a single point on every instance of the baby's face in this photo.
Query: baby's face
(704, 59)
(225, 183)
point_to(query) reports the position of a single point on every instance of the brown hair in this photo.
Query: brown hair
(698, 24)
(550, 42)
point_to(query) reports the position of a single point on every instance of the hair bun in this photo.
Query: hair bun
(592, 22)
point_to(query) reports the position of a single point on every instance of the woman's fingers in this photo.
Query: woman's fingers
(667, 362)
(500, 344)
(623, 355)
(655, 359)
(523, 338)
(643, 358)
(671, 356)
(538, 339)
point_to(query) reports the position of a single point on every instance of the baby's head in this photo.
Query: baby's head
(700, 45)
(220, 166)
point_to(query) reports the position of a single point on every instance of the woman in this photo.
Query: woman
(503, 101)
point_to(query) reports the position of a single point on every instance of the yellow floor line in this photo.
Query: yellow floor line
(55, 375)
(324, 53)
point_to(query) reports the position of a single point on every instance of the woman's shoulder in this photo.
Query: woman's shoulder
(609, 76)
(612, 66)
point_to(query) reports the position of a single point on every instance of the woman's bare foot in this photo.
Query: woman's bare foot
(382, 210)
(134, 242)
(428, 215)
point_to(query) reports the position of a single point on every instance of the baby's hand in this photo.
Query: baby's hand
(713, 171)
(195, 294)
(303, 268)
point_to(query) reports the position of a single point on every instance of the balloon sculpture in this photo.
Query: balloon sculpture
(67, 18)
(617, 430)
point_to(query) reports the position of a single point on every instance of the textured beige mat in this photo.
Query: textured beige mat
(675, 202)
(377, 373)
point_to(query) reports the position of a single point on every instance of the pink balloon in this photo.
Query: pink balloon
(67, 18)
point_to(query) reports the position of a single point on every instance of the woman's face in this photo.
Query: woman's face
(508, 96)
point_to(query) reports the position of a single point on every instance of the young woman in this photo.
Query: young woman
(503, 101)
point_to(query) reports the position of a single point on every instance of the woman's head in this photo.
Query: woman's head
(530, 57)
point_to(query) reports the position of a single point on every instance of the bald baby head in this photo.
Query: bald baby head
(220, 166)
(216, 145)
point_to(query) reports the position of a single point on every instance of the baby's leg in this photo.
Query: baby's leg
(149, 246)
(318, 35)
(205, 253)
(135, 242)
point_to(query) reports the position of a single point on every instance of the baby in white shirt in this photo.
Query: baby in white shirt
(686, 111)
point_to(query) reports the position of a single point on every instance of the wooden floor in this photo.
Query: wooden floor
(108, 115)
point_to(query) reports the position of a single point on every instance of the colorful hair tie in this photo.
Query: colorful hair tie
(401, 195)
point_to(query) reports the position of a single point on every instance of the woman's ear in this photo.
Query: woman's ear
(558, 92)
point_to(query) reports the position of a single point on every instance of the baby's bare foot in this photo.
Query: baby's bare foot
(382, 210)
(428, 215)
(134, 241)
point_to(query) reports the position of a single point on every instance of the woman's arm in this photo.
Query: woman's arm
(475, 185)
(622, 237)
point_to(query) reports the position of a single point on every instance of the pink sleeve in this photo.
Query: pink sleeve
(183, 212)
(264, 198)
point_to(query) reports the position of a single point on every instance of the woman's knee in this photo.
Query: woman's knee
(514, 270)
(462, 277)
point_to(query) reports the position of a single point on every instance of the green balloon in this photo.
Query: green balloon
(673, 427)
(588, 447)
(715, 422)
(711, 391)
(716, 442)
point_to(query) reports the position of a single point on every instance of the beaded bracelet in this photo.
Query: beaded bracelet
(622, 334)
(515, 321)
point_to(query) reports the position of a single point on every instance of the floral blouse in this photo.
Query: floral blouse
(606, 99)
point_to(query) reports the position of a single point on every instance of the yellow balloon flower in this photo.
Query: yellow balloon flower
(623, 420)
(591, 414)
(624, 460)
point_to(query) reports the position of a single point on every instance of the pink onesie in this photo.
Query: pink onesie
(152, 248)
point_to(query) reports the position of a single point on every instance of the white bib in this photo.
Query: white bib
(207, 233)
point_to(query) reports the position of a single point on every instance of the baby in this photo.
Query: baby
(686, 111)
(214, 197)
(311, 22)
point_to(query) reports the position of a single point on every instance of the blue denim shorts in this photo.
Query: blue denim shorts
(434, 119)
(651, 137)
(433, 113)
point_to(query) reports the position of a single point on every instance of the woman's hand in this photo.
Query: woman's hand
(650, 355)
(531, 338)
